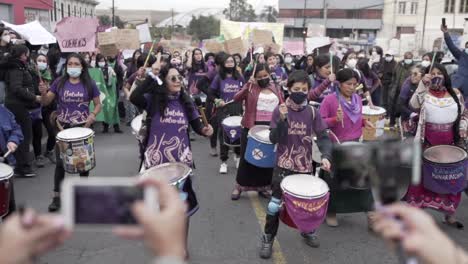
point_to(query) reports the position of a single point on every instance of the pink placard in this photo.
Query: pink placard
(76, 34)
(294, 47)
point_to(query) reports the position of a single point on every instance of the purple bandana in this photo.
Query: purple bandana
(352, 109)
(305, 214)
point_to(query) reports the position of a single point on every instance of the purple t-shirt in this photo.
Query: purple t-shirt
(73, 101)
(295, 152)
(228, 87)
(168, 138)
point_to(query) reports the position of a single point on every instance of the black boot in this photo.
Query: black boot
(105, 128)
(55, 204)
(266, 248)
(117, 129)
(311, 239)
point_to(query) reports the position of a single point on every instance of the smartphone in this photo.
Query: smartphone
(103, 202)
(444, 24)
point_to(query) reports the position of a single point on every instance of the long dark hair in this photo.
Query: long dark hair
(451, 91)
(85, 78)
(363, 66)
(261, 67)
(160, 96)
(223, 71)
(197, 66)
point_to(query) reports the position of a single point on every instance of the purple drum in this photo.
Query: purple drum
(232, 131)
(444, 169)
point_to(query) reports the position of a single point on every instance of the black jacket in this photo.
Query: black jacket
(19, 85)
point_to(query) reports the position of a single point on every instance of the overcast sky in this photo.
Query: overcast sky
(178, 5)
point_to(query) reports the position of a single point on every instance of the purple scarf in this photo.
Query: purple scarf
(352, 109)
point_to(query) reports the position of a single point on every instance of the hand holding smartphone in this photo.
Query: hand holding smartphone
(103, 202)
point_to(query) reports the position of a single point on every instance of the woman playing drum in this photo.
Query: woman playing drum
(323, 79)
(170, 113)
(260, 97)
(292, 126)
(443, 121)
(409, 117)
(223, 88)
(74, 92)
(342, 111)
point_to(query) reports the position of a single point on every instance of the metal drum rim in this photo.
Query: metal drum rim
(10, 175)
(445, 163)
(258, 139)
(373, 114)
(189, 171)
(284, 189)
(75, 139)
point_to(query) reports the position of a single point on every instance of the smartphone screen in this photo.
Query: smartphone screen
(96, 205)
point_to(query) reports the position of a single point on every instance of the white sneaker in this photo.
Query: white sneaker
(237, 161)
(223, 168)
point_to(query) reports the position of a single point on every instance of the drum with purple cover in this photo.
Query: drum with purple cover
(305, 202)
(6, 172)
(260, 151)
(232, 130)
(444, 169)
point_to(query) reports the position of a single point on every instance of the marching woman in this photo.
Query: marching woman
(196, 68)
(350, 61)
(292, 126)
(223, 88)
(442, 121)
(409, 117)
(260, 97)
(322, 79)
(171, 111)
(74, 91)
(342, 111)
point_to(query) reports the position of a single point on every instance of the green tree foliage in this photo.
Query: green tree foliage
(240, 10)
(106, 20)
(203, 27)
(269, 14)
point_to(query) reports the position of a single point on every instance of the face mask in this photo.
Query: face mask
(229, 70)
(374, 53)
(93, 63)
(288, 60)
(298, 97)
(263, 83)
(101, 64)
(466, 50)
(74, 72)
(42, 66)
(438, 83)
(388, 58)
(6, 38)
(361, 56)
(408, 61)
(352, 63)
(425, 64)
(148, 70)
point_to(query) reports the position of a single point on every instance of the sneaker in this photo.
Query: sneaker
(237, 161)
(266, 248)
(51, 156)
(223, 169)
(27, 173)
(40, 161)
(213, 152)
(55, 204)
(311, 239)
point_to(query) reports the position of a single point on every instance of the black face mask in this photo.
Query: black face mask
(298, 97)
(263, 83)
(229, 70)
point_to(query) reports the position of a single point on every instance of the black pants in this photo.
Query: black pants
(60, 170)
(213, 122)
(51, 133)
(23, 159)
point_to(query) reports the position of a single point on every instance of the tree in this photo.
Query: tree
(240, 10)
(106, 20)
(203, 27)
(269, 14)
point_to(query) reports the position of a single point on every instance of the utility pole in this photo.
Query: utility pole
(172, 19)
(113, 13)
(325, 15)
(304, 32)
(424, 26)
(394, 18)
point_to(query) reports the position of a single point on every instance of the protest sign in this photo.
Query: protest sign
(273, 48)
(262, 37)
(231, 29)
(213, 46)
(234, 46)
(294, 47)
(75, 34)
(109, 50)
(144, 33)
(315, 30)
(32, 32)
(317, 42)
(120, 39)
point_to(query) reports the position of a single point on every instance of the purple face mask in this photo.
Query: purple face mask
(438, 83)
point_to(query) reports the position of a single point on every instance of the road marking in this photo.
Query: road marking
(278, 257)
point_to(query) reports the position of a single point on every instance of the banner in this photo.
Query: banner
(294, 47)
(231, 30)
(144, 32)
(120, 39)
(33, 32)
(213, 46)
(262, 37)
(234, 46)
(317, 42)
(75, 34)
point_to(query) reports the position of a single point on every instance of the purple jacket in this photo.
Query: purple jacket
(406, 92)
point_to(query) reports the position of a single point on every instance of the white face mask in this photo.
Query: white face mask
(388, 58)
(288, 60)
(42, 66)
(374, 53)
(425, 64)
(101, 64)
(408, 61)
(466, 50)
(352, 63)
(6, 38)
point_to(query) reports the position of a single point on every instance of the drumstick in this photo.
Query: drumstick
(201, 109)
(253, 72)
(433, 60)
(149, 54)
(339, 108)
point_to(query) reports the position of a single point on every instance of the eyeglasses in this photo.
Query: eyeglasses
(176, 78)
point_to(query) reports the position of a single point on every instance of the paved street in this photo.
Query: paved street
(222, 231)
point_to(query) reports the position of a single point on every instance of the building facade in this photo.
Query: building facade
(72, 8)
(24, 11)
(341, 18)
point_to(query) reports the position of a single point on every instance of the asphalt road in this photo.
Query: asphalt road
(222, 231)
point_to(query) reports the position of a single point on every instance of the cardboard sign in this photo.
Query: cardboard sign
(315, 30)
(262, 37)
(109, 50)
(33, 32)
(214, 46)
(75, 34)
(144, 33)
(234, 46)
(128, 39)
(294, 47)
(273, 47)
(107, 38)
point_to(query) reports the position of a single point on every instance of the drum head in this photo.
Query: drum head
(366, 110)
(6, 171)
(174, 172)
(136, 123)
(232, 121)
(75, 133)
(304, 186)
(445, 154)
(261, 133)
